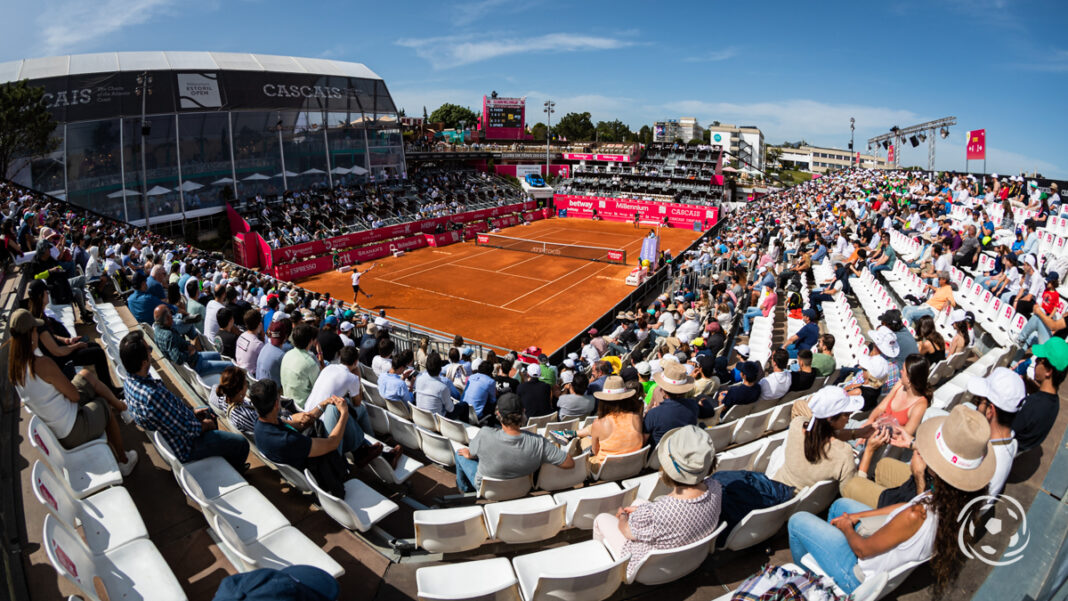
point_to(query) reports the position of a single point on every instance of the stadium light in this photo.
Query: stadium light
(945, 133)
(922, 137)
(549, 106)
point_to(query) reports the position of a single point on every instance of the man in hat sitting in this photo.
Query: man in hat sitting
(677, 409)
(506, 452)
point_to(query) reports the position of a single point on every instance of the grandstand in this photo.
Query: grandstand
(401, 532)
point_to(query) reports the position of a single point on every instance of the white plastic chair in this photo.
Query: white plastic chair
(496, 489)
(398, 408)
(584, 504)
(278, 549)
(213, 475)
(135, 570)
(108, 519)
(873, 588)
(650, 486)
(406, 466)
(619, 467)
(361, 508)
(583, 571)
(450, 530)
(740, 458)
(85, 470)
(436, 447)
(552, 477)
(751, 427)
(403, 431)
(525, 520)
(814, 499)
(759, 525)
(379, 419)
(666, 565)
(456, 431)
(250, 514)
(423, 418)
(540, 420)
(485, 580)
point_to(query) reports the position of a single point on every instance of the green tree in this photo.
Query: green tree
(538, 131)
(26, 126)
(645, 135)
(694, 142)
(772, 157)
(452, 115)
(575, 127)
(613, 131)
(706, 136)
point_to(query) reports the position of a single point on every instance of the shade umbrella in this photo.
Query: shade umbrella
(222, 182)
(339, 171)
(158, 190)
(312, 171)
(287, 174)
(190, 186)
(123, 192)
(358, 170)
(729, 170)
(255, 177)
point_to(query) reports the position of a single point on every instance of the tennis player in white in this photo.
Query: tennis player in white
(356, 275)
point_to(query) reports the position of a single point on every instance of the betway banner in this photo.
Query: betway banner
(622, 209)
(318, 247)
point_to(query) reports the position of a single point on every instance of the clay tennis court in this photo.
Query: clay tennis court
(507, 298)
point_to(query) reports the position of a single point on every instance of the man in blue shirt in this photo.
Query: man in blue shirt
(481, 391)
(269, 361)
(821, 251)
(392, 385)
(140, 302)
(807, 336)
(677, 409)
(191, 435)
(745, 393)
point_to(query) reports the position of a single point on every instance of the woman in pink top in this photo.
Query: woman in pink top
(765, 309)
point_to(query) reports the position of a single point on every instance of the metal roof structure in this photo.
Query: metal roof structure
(110, 62)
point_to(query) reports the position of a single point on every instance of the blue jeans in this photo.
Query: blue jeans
(826, 543)
(1033, 329)
(359, 422)
(745, 491)
(230, 446)
(876, 269)
(210, 363)
(911, 313)
(750, 313)
(792, 350)
(466, 472)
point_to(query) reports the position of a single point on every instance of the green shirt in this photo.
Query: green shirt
(823, 364)
(649, 387)
(299, 370)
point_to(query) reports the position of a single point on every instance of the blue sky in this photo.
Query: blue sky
(796, 70)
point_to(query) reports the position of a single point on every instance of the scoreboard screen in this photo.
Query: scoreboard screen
(505, 116)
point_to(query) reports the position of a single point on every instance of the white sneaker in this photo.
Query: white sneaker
(131, 460)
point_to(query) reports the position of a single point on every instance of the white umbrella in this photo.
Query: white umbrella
(190, 186)
(222, 182)
(288, 174)
(312, 171)
(255, 177)
(358, 170)
(123, 192)
(158, 190)
(339, 170)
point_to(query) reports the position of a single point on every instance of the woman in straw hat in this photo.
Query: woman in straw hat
(618, 427)
(954, 452)
(685, 515)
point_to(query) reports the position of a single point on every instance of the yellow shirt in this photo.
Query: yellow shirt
(942, 296)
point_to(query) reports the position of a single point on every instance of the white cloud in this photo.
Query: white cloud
(795, 119)
(949, 155)
(469, 12)
(453, 51)
(70, 25)
(713, 56)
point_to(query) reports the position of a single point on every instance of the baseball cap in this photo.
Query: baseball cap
(644, 368)
(831, 401)
(876, 365)
(509, 404)
(569, 363)
(1054, 350)
(810, 314)
(629, 374)
(885, 340)
(567, 377)
(743, 350)
(957, 315)
(534, 370)
(331, 320)
(1053, 276)
(22, 321)
(275, 330)
(749, 370)
(346, 326)
(294, 583)
(467, 352)
(1003, 387)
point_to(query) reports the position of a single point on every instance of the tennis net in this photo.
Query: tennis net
(555, 249)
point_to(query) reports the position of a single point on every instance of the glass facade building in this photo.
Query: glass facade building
(217, 126)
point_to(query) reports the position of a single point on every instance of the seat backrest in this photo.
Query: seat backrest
(759, 525)
(399, 408)
(736, 412)
(752, 427)
(192, 488)
(898, 575)
(593, 583)
(42, 438)
(231, 540)
(721, 435)
(814, 499)
(436, 447)
(741, 458)
(373, 395)
(779, 419)
(465, 529)
(582, 513)
(333, 506)
(529, 526)
(379, 421)
(541, 420)
(618, 467)
(424, 419)
(552, 477)
(294, 477)
(666, 565)
(165, 451)
(403, 431)
(53, 495)
(494, 489)
(871, 589)
(70, 557)
(368, 375)
(570, 424)
(763, 458)
(453, 429)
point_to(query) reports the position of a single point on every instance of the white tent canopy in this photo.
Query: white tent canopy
(312, 171)
(158, 190)
(358, 170)
(339, 170)
(222, 182)
(189, 186)
(123, 192)
(255, 177)
(287, 174)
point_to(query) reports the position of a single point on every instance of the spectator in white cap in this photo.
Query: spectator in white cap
(683, 516)
(881, 373)
(345, 332)
(573, 401)
(645, 375)
(535, 395)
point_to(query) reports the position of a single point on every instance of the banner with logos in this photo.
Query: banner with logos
(611, 158)
(976, 145)
(622, 209)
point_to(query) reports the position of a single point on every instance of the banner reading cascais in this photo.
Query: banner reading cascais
(622, 209)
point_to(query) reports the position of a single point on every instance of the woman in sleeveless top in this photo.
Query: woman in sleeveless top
(908, 399)
(77, 411)
(229, 398)
(618, 428)
(930, 343)
(955, 453)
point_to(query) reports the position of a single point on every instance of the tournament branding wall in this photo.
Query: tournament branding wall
(612, 158)
(622, 209)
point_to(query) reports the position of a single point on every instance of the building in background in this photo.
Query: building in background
(219, 126)
(690, 129)
(667, 131)
(815, 159)
(744, 143)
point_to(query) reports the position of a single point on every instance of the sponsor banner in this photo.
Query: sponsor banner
(615, 255)
(622, 209)
(240, 253)
(471, 229)
(264, 251)
(612, 158)
(443, 239)
(976, 145)
(238, 225)
(295, 271)
(382, 249)
(577, 156)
